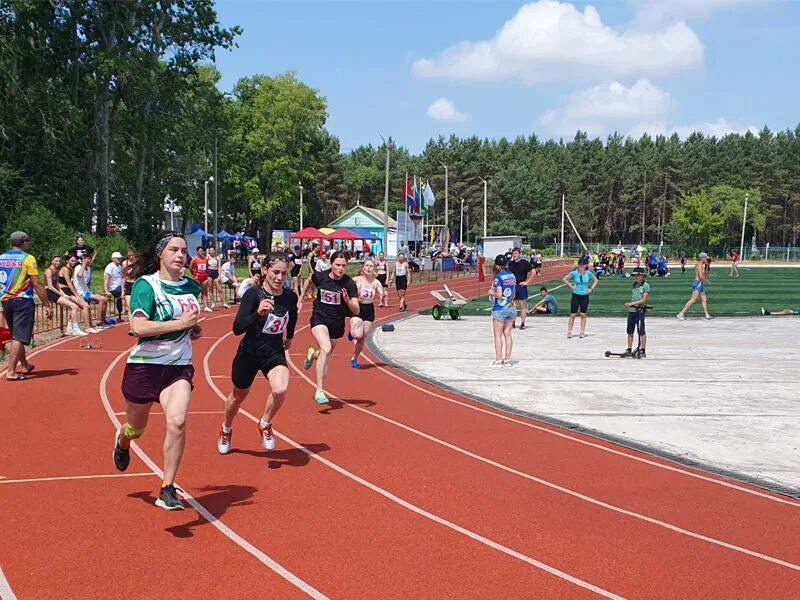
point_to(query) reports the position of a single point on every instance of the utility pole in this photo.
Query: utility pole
(744, 222)
(485, 207)
(562, 224)
(461, 223)
(446, 190)
(301, 206)
(644, 199)
(216, 188)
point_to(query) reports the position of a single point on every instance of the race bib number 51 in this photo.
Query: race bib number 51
(275, 325)
(327, 297)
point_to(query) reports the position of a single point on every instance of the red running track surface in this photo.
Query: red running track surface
(398, 489)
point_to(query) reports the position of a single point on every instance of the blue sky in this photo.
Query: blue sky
(415, 70)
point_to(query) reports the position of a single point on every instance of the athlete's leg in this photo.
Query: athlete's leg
(360, 341)
(689, 303)
(136, 416)
(232, 404)
(583, 323)
(497, 330)
(509, 344)
(320, 333)
(571, 322)
(356, 328)
(704, 302)
(71, 306)
(175, 402)
(278, 383)
(523, 309)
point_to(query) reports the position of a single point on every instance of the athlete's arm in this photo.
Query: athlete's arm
(48, 280)
(106, 277)
(68, 279)
(142, 326)
(595, 280)
(292, 322)
(39, 288)
(248, 312)
(352, 298)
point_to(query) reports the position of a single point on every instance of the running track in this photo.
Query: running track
(397, 490)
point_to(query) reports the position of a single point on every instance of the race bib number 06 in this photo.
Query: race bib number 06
(275, 325)
(327, 297)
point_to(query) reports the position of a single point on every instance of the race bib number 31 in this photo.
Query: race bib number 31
(327, 297)
(275, 325)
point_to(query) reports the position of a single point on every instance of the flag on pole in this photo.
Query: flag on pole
(416, 196)
(408, 194)
(430, 199)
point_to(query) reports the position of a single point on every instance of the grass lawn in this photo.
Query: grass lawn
(775, 288)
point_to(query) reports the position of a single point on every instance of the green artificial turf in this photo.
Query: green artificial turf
(775, 288)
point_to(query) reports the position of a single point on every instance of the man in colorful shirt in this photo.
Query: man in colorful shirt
(19, 279)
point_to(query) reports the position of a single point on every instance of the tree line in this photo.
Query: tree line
(109, 107)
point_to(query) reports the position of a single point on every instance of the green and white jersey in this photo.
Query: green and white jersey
(161, 300)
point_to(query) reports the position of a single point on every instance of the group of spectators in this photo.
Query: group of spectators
(66, 284)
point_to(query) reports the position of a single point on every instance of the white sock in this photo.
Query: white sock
(226, 429)
(264, 424)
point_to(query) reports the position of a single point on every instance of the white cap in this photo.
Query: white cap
(116, 255)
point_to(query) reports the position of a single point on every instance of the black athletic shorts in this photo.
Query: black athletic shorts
(579, 304)
(635, 318)
(52, 296)
(367, 312)
(128, 288)
(213, 274)
(335, 329)
(401, 282)
(382, 279)
(246, 366)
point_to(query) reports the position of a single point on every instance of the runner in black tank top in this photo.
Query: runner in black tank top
(400, 278)
(337, 297)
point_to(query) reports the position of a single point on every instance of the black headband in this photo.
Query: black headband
(162, 243)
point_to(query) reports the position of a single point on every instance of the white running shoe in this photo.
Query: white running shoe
(76, 330)
(207, 309)
(497, 363)
(267, 439)
(93, 330)
(224, 441)
(507, 363)
(680, 317)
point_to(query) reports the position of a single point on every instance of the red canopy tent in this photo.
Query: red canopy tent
(343, 235)
(309, 233)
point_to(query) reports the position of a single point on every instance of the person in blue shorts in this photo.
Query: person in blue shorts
(503, 312)
(582, 282)
(547, 305)
(698, 287)
(523, 272)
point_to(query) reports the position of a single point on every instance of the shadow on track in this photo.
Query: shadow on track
(339, 404)
(290, 457)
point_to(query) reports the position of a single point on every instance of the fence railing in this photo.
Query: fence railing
(765, 252)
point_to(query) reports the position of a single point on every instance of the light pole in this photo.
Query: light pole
(216, 186)
(385, 243)
(205, 204)
(484, 207)
(301, 206)
(744, 221)
(446, 210)
(461, 223)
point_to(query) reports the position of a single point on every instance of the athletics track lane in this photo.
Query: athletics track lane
(381, 454)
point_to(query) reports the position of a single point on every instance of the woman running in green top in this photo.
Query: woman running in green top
(164, 316)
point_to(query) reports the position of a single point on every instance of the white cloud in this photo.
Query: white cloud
(445, 110)
(718, 128)
(550, 40)
(607, 107)
(654, 13)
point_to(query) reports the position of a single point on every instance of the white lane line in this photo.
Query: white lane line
(74, 477)
(557, 487)
(32, 354)
(579, 440)
(227, 531)
(6, 593)
(412, 507)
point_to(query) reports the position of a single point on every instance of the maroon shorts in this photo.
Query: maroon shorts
(142, 383)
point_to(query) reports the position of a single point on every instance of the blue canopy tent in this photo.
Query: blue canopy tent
(224, 235)
(365, 235)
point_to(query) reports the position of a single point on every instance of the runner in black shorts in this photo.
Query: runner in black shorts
(369, 288)
(381, 272)
(267, 317)
(295, 264)
(400, 277)
(337, 299)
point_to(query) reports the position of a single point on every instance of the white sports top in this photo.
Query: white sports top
(401, 269)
